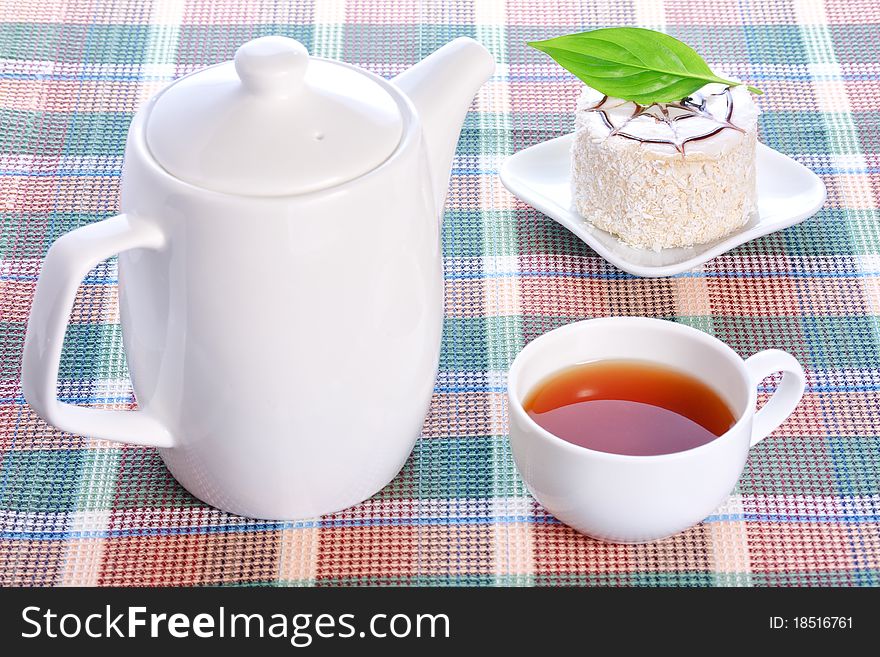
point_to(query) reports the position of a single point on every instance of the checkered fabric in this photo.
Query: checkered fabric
(807, 508)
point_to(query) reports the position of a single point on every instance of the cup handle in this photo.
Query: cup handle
(69, 259)
(787, 395)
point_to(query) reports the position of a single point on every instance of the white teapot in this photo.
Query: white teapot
(280, 275)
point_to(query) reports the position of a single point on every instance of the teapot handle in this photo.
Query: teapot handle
(69, 259)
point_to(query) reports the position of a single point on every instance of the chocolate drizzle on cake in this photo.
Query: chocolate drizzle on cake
(670, 114)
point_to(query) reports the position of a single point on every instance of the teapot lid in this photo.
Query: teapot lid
(273, 122)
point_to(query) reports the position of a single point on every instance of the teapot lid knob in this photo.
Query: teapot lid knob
(272, 65)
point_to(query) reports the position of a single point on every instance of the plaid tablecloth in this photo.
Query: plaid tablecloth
(807, 509)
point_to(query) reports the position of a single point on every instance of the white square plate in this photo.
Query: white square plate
(788, 193)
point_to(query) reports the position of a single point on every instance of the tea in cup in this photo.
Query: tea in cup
(633, 429)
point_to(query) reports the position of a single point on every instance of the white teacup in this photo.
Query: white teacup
(633, 499)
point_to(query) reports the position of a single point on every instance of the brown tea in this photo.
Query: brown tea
(629, 407)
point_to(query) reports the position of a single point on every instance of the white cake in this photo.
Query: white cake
(666, 175)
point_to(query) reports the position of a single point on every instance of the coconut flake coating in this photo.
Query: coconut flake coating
(666, 175)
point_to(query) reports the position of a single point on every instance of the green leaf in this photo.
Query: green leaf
(632, 63)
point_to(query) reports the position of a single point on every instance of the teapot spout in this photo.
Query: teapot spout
(442, 87)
